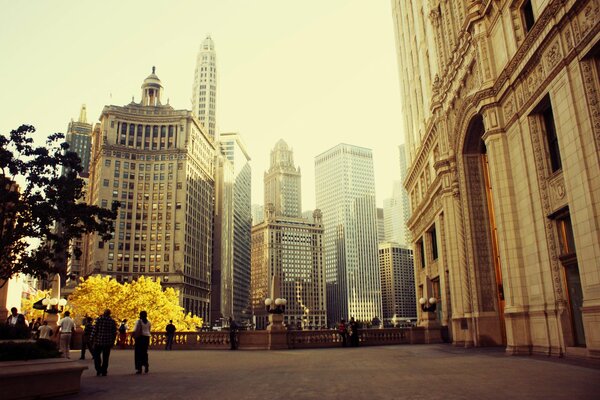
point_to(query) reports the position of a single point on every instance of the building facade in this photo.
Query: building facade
(157, 162)
(398, 298)
(293, 249)
(393, 211)
(234, 150)
(502, 126)
(288, 245)
(204, 94)
(282, 182)
(345, 193)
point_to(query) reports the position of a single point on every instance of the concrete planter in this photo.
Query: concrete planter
(42, 378)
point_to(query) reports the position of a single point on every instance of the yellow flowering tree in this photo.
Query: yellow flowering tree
(95, 294)
(28, 302)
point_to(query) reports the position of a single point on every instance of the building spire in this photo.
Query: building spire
(83, 114)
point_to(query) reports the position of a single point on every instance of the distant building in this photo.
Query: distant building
(290, 246)
(159, 164)
(393, 210)
(345, 193)
(233, 148)
(399, 301)
(258, 214)
(381, 235)
(204, 94)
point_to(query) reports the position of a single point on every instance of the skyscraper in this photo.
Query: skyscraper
(234, 150)
(159, 164)
(282, 182)
(393, 210)
(79, 138)
(204, 96)
(345, 193)
(404, 193)
(288, 245)
(397, 283)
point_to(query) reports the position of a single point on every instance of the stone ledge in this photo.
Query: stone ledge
(42, 378)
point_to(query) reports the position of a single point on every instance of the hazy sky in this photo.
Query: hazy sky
(313, 72)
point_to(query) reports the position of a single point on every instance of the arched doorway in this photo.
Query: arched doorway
(484, 238)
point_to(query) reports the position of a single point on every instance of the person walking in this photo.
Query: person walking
(233, 333)
(123, 334)
(66, 327)
(102, 340)
(88, 327)
(170, 329)
(141, 333)
(343, 332)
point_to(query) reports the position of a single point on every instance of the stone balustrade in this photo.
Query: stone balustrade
(296, 339)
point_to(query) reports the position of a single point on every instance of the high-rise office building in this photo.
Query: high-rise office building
(393, 210)
(381, 236)
(282, 182)
(204, 96)
(158, 162)
(397, 284)
(232, 147)
(287, 245)
(258, 213)
(79, 138)
(345, 193)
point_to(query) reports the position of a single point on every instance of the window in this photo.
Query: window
(528, 17)
(105, 182)
(551, 138)
(433, 241)
(421, 251)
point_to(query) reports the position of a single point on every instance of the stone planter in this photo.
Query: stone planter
(42, 378)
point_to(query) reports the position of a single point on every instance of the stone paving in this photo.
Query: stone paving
(386, 372)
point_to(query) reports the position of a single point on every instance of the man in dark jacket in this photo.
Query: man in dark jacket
(170, 335)
(102, 339)
(233, 330)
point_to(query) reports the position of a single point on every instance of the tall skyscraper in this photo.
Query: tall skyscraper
(79, 138)
(234, 150)
(282, 182)
(159, 164)
(287, 245)
(404, 193)
(204, 96)
(381, 236)
(345, 193)
(394, 222)
(399, 301)
(258, 213)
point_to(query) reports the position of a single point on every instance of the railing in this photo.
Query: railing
(248, 340)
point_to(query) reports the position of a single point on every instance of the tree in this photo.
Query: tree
(96, 293)
(50, 196)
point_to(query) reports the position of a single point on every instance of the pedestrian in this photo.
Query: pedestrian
(353, 332)
(141, 333)
(88, 327)
(44, 331)
(170, 329)
(123, 334)
(35, 328)
(343, 332)
(16, 320)
(233, 333)
(66, 327)
(102, 340)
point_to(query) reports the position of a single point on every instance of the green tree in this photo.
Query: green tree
(40, 189)
(96, 293)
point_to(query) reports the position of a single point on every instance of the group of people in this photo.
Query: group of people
(36, 329)
(349, 332)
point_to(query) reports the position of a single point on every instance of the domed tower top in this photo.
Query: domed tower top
(151, 90)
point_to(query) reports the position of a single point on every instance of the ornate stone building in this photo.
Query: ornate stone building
(502, 122)
(157, 162)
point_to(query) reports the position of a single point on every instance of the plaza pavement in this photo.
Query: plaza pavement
(386, 372)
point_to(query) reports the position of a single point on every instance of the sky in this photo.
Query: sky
(315, 73)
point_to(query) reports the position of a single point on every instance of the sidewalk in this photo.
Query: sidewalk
(388, 372)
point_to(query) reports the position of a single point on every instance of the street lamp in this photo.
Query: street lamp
(428, 306)
(51, 305)
(279, 305)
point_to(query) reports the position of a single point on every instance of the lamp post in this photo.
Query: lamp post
(428, 306)
(275, 307)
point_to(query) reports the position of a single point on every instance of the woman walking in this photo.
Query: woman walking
(141, 333)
